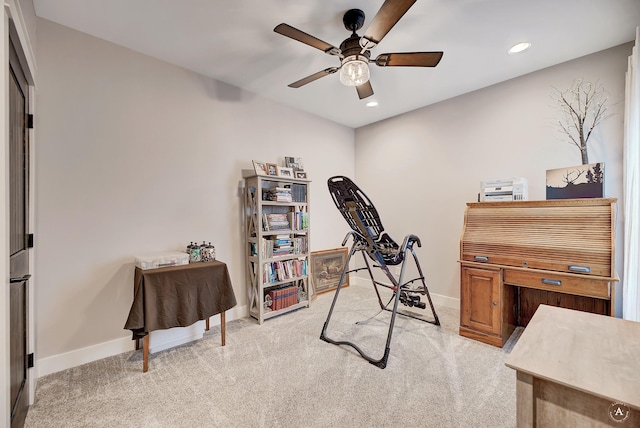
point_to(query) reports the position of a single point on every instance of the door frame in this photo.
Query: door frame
(13, 24)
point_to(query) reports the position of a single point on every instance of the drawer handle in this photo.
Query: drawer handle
(551, 281)
(581, 269)
(481, 258)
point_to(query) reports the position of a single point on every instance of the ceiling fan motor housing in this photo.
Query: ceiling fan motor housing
(353, 19)
(351, 46)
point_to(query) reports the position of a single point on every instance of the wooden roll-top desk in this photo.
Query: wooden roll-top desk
(516, 255)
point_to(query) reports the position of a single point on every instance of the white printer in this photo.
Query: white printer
(510, 189)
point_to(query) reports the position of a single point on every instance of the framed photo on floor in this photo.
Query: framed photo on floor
(326, 269)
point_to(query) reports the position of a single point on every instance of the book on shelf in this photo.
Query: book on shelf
(275, 221)
(283, 270)
(298, 192)
(273, 248)
(298, 220)
(278, 194)
(283, 297)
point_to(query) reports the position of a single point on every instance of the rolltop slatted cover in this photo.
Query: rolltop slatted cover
(573, 235)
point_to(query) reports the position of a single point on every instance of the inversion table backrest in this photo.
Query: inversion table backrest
(363, 218)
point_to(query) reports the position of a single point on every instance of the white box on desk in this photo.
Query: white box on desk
(157, 260)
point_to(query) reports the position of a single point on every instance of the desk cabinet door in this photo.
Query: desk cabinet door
(480, 300)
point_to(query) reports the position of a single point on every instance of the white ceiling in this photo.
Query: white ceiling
(233, 41)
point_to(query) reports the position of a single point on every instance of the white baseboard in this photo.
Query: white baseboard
(446, 301)
(164, 339)
(159, 341)
(438, 299)
(59, 362)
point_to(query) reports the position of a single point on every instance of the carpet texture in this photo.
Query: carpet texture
(280, 374)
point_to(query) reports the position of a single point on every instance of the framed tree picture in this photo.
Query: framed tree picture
(583, 181)
(326, 269)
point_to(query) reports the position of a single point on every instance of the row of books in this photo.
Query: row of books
(283, 270)
(299, 192)
(278, 194)
(298, 220)
(279, 245)
(287, 193)
(283, 297)
(275, 221)
(293, 220)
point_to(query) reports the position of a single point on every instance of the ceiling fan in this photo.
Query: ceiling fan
(354, 52)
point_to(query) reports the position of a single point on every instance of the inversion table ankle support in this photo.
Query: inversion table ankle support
(369, 237)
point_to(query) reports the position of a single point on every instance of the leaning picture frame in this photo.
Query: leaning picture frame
(582, 181)
(260, 167)
(293, 163)
(285, 172)
(272, 169)
(326, 269)
(300, 174)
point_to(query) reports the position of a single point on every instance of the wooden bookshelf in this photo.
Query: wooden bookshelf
(276, 228)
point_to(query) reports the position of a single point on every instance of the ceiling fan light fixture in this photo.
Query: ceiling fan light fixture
(354, 70)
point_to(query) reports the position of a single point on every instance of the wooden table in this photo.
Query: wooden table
(178, 296)
(575, 369)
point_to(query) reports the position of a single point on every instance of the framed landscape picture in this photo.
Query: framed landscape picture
(326, 269)
(583, 181)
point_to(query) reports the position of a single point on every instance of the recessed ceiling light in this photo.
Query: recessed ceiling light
(372, 104)
(519, 47)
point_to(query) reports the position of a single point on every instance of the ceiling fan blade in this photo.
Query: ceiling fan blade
(313, 77)
(409, 59)
(365, 90)
(301, 36)
(389, 14)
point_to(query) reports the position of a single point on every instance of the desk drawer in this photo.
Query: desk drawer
(551, 281)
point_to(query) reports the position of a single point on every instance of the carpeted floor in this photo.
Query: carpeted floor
(281, 374)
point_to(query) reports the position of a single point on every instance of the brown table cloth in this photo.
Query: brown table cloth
(178, 296)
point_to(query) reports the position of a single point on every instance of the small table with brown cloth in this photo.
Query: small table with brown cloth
(178, 296)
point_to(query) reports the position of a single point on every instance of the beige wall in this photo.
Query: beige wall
(422, 167)
(135, 156)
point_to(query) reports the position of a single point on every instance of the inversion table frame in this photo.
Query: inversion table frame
(370, 239)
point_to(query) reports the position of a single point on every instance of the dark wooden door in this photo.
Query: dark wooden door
(18, 239)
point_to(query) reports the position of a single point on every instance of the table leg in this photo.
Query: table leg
(525, 401)
(206, 327)
(223, 322)
(145, 353)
